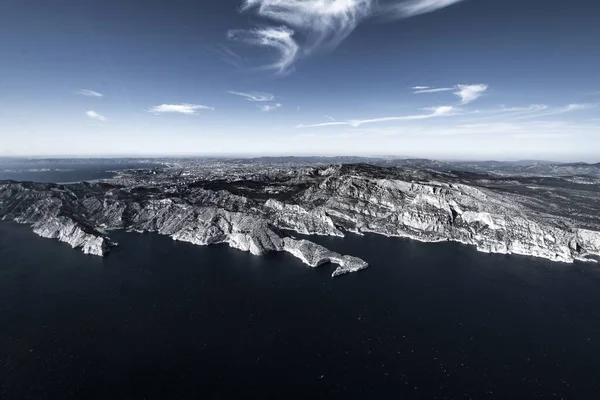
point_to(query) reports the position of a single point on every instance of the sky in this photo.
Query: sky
(446, 79)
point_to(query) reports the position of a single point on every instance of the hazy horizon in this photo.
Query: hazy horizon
(293, 155)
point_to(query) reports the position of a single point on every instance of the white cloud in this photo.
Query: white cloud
(411, 8)
(327, 23)
(330, 118)
(435, 112)
(432, 90)
(90, 93)
(254, 96)
(95, 115)
(270, 107)
(323, 24)
(469, 93)
(189, 109)
(279, 38)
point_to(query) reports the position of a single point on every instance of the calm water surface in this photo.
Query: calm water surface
(64, 171)
(158, 319)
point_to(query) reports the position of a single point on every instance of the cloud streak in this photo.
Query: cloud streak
(184, 108)
(487, 114)
(467, 93)
(310, 25)
(90, 93)
(412, 8)
(254, 96)
(95, 115)
(432, 90)
(435, 112)
(561, 110)
(228, 55)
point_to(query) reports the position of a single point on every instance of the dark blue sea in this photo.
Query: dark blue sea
(159, 319)
(65, 171)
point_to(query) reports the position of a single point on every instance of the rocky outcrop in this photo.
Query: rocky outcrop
(51, 218)
(439, 211)
(205, 219)
(257, 216)
(65, 230)
(314, 255)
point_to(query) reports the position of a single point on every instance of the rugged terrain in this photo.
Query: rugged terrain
(263, 206)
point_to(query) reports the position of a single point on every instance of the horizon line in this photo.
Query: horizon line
(289, 155)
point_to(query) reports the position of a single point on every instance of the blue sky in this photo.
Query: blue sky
(451, 79)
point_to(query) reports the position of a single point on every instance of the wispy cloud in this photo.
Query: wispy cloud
(578, 107)
(467, 93)
(435, 112)
(259, 97)
(330, 118)
(90, 93)
(320, 24)
(254, 96)
(503, 111)
(228, 55)
(185, 108)
(532, 108)
(277, 38)
(561, 110)
(95, 115)
(270, 107)
(472, 121)
(519, 113)
(432, 90)
(411, 8)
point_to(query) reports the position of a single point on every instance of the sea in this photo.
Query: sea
(160, 319)
(67, 170)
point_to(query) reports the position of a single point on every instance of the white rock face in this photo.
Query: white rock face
(438, 211)
(295, 217)
(209, 222)
(588, 240)
(48, 221)
(67, 231)
(315, 255)
(328, 201)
